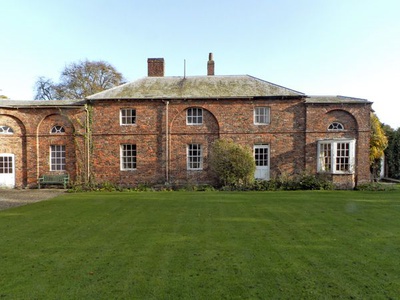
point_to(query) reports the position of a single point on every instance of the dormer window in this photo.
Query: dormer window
(336, 126)
(57, 129)
(4, 129)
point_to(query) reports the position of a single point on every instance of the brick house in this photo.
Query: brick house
(159, 129)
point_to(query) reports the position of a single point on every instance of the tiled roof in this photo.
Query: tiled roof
(335, 99)
(206, 87)
(194, 87)
(40, 103)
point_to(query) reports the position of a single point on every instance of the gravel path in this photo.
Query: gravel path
(13, 197)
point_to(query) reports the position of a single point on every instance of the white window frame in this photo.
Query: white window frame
(334, 159)
(127, 116)
(194, 116)
(4, 129)
(336, 126)
(261, 153)
(194, 154)
(262, 115)
(128, 157)
(7, 170)
(6, 163)
(57, 129)
(57, 158)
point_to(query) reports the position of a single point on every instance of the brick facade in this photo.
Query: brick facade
(31, 140)
(93, 134)
(356, 121)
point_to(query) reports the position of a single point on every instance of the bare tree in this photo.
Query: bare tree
(79, 80)
(45, 89)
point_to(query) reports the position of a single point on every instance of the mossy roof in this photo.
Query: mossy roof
(335, 99)
(40, 103)
(201, 87)
(196, 87)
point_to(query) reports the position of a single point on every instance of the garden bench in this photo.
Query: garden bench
(61, 179)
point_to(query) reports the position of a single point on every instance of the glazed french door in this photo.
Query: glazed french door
(261, 156)
(7, 170)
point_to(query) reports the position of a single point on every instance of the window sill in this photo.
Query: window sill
(337, 173)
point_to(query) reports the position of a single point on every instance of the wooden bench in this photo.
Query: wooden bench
(61, 179)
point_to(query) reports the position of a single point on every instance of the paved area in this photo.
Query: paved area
(14, 197)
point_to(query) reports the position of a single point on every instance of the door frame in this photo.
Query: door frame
(10, 181)
(265, 169)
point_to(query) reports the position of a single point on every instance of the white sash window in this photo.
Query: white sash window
(336, 156)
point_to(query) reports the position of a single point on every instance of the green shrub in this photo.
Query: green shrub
(196, 188)
(291, 183)
(314, 182)
(261, 185)
(108, 187)
(232, 164)
(283, 182)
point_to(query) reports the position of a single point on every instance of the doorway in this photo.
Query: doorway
(7, 170)
(261, 156)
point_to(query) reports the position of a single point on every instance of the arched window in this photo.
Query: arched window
(57, 129)
(336, 126)
(4, 129)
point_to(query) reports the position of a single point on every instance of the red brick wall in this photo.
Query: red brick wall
(284, 134)
(155, 67)
(181, 135)
(15, 144)
(230, 119)
(108, 135)
(356, 121)
(31, 140)
(292, 135)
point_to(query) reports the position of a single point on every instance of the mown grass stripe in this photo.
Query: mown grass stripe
(215, 245)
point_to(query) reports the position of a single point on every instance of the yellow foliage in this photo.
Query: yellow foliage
(378, 140)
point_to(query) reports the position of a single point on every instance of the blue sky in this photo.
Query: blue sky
(318, 47)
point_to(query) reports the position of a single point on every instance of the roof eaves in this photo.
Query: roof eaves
(239, 97)
(335, 100)
(42, 104)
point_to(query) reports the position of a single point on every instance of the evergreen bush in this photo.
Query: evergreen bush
(232, 164)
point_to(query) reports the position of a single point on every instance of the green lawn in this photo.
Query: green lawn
(203, 245)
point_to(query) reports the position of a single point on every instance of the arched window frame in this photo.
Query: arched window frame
(57, 129)
(4, 129)
(336, 126)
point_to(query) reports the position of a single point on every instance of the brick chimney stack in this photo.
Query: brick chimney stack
(210, 65)
(155, 67)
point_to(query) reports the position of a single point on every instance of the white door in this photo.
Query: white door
(7, 170)
(261, 156)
